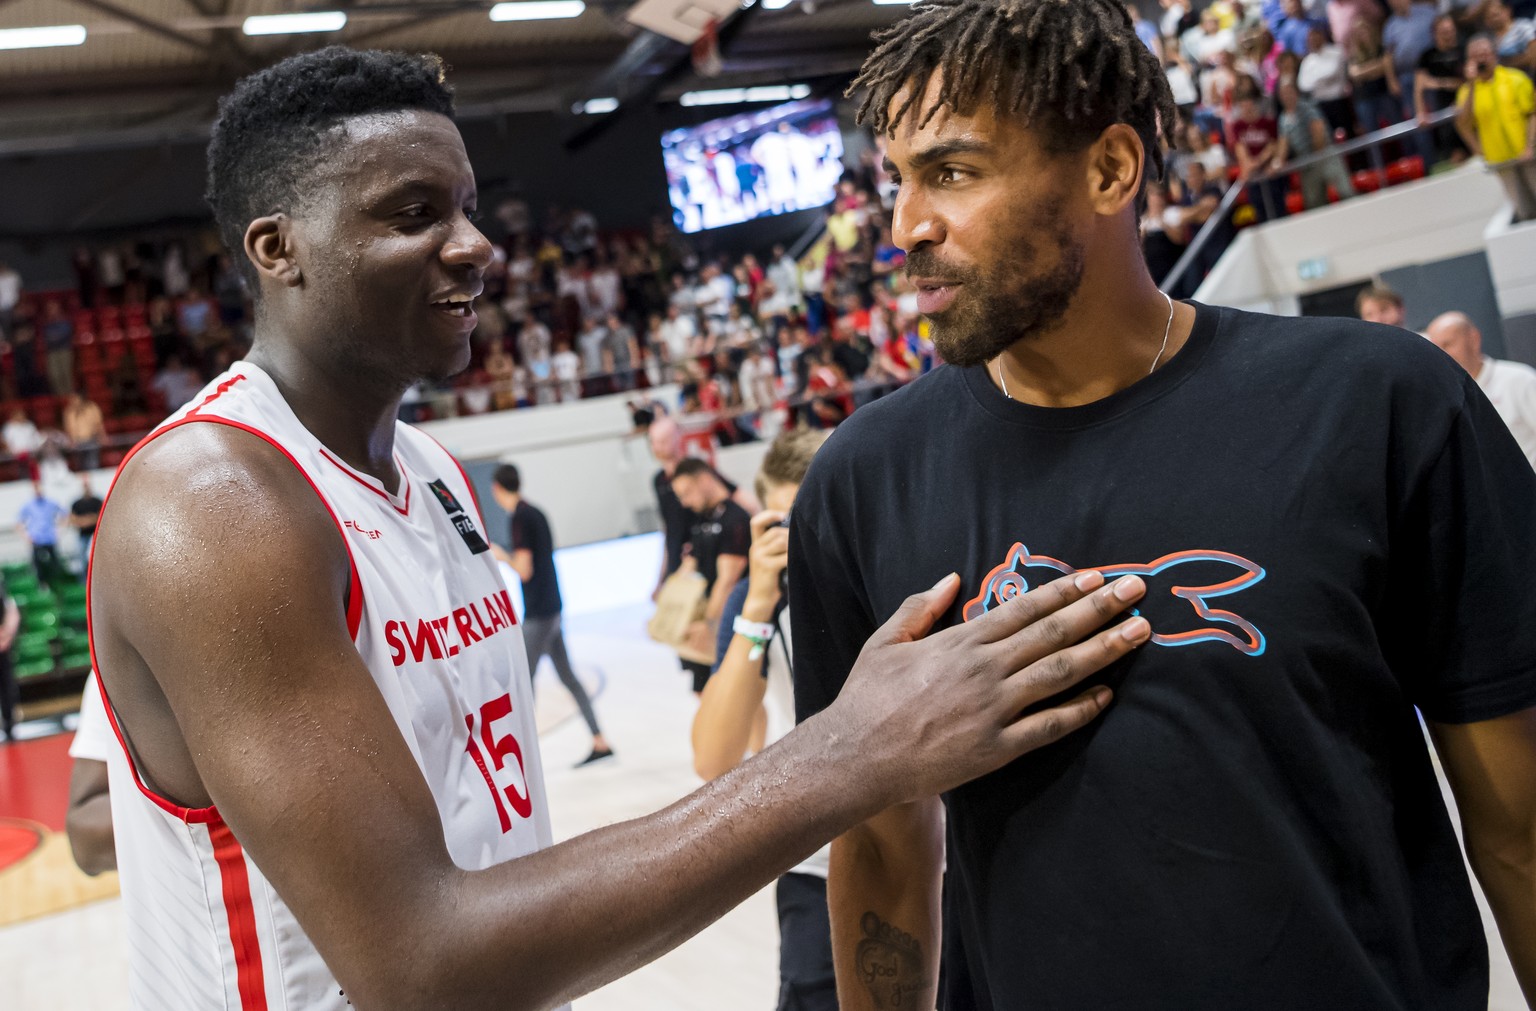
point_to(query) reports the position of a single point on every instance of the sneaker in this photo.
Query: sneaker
(596, 756)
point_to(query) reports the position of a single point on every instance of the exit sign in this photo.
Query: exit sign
(1314, 269)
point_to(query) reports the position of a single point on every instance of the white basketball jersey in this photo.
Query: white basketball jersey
(433, 621)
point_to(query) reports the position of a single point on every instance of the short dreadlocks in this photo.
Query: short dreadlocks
(1070, 68)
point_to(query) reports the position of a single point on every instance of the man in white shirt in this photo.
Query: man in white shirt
(10, 294)
(1324, 75)
(1510, 386)
(677, 332)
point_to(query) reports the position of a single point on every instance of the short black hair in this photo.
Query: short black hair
(275, 126)
(508, 479)
(692, 467)
(1069, 68)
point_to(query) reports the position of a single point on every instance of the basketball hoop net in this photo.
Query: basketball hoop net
(706, 51)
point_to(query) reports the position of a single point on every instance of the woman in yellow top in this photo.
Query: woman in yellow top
(1498, 122)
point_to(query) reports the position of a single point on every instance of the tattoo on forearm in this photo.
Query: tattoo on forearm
(891, 964)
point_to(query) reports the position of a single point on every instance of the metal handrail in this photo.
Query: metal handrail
(1371, 142)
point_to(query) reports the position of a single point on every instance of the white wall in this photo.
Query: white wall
(1420, 222)
(1512, 261)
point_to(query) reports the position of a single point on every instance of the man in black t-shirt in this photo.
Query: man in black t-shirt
(1334, 529)
(532, 557)
(83, 515)
(718, 543)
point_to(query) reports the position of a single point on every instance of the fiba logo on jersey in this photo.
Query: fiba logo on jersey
(461, 521)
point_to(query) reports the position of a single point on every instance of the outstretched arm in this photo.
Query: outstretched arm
(248, 693)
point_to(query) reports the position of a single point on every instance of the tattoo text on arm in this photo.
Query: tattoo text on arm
(890, 964)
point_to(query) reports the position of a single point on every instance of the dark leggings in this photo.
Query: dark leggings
(543, 637)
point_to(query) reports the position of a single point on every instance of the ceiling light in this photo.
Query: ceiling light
(596, 107)
(41, 38)
(537, 10)
(737, 96)
(295, 24)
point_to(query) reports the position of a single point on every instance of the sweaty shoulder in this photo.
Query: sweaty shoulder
(207, 498)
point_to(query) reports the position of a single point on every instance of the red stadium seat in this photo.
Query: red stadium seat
(1295, 203)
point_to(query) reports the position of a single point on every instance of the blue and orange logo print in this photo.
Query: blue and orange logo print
(1210, 623)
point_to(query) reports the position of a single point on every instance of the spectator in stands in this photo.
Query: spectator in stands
(10, 624)
(565, 371)
(29, 377)
(718, 543)
(39, 523)
(195, 314)
(1146, 30)
(591, 343)
(531, 554)
(1408, 34)
(177, 383)
(1379, 304)
(621, 352)
(1259, 57)
(1514, 38)
(1199, 198)
(1163, 234)
(164, 331)
(1203, 43)
(1377, 102)
(22, 439)
(58, 332)
(1293, 26)
(10, 297)
(84, 428)
(1212, 156)
(1254, 137)
(1498, 122)
(1346, 16)
(1304, 132)
(1324, 76)
(1509, 386)
(1436, 83)
(128, 398)
(499, 369)
(229, 292)
(84, 514)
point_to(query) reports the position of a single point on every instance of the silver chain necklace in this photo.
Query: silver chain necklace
(998, 361)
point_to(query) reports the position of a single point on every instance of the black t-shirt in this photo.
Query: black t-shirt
(1335, 528)
(530, 532)
(725, 530)
(677, 520)
(88, 505)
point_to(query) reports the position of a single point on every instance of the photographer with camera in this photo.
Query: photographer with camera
(749, 703)
(1498, 121)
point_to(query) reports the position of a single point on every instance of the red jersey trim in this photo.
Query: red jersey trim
(203, 815)
(235, 883)
(218, 392)
(405, 479)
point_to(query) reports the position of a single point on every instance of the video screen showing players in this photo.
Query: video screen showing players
(757, 164)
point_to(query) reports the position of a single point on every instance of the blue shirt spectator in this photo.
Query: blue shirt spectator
(41, 518)
(1291, 26)
(1408, 34)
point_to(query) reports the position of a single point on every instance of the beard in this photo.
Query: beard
(1016, 300)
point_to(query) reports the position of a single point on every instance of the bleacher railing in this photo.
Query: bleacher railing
(1371, 144)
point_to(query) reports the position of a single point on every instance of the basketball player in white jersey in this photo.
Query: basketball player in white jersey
(328, 790)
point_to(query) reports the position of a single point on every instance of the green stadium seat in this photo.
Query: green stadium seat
(72, 593)
(37, 668)
(14, 571)
(74, 614)
(75, 658)
(23, 585)
(30, 648)
(36, 619)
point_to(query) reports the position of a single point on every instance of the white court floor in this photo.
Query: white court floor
(75, 961)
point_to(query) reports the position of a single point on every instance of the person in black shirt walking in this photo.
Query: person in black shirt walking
(533, 558)
(1334, 527)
